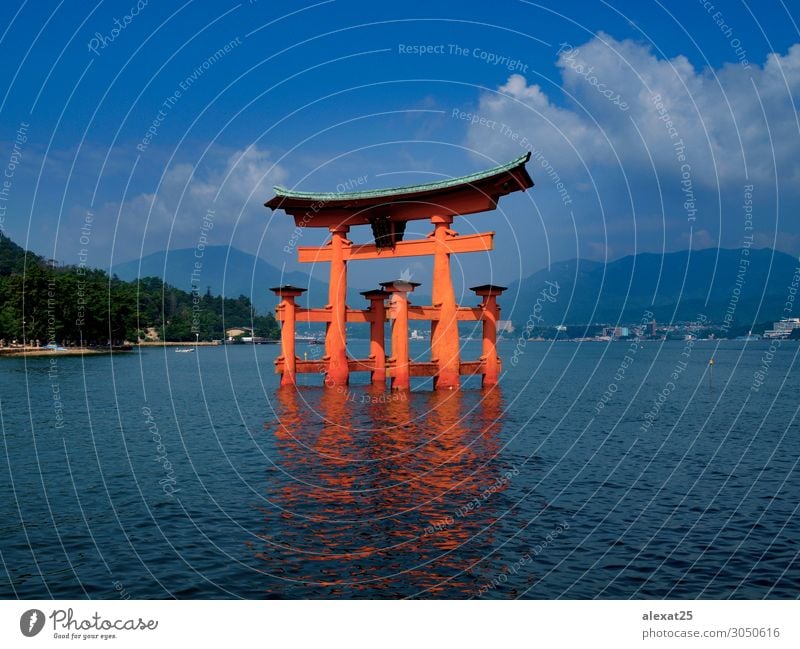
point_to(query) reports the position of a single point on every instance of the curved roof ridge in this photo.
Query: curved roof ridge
(282, 192)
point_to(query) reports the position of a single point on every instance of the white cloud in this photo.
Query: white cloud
(610, 140)
(233, 185)
(710, 110)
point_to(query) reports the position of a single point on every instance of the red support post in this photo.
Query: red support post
(490, 316)
(336, 336)
(399, 289)
(288, 310)
(377, 342)
(444, 333)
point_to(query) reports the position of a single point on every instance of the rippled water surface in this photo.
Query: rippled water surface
(529, 490)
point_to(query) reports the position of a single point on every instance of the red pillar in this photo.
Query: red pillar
(377, 342)
(336, 336)
(401, 375)
(444, 333)
(490, 316)
(286, 311)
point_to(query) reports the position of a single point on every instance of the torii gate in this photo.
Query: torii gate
(387, 211)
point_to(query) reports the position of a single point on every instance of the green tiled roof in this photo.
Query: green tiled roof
(282, 192)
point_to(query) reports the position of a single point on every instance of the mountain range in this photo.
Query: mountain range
(753, 283)
(224, 271)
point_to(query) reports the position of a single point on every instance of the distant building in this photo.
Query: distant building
(236, 332)
(782, 328)
(616, 332)
(505, 326)
(151, 334)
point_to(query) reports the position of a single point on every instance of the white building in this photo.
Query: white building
(505, 326)
(782, 328)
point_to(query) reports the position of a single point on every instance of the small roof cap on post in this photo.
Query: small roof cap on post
(375, 293)
(287, 290)
(399, 285)
(488, 289)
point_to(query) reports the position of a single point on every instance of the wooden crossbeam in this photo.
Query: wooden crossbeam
(320, 366)
(418, 368)
(481, 242)
(432, 313)
(471, 314)
(427, 368)
(324, 315)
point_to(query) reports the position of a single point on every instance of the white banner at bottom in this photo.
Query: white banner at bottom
(402, 624)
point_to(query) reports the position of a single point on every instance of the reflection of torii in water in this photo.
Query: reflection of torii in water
(376, 501)
(387, 212)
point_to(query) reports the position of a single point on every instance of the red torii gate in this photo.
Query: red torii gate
(387, 211)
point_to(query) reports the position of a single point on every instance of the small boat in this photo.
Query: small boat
(54, 348)
(184, 350)
(309, 339)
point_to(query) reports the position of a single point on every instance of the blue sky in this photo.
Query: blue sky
(147, 127)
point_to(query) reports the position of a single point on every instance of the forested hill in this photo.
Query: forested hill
(12, 256)
(69, 304)
(227, 271)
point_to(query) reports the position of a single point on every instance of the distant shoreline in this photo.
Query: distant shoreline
(18, 352)
(170, 343)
